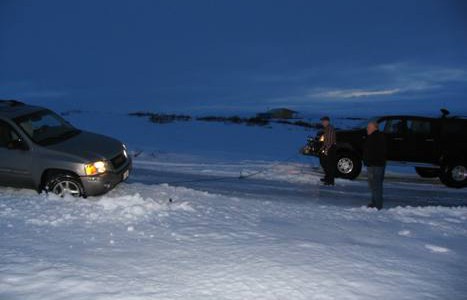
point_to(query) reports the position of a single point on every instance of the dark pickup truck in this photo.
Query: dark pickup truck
(436, 147)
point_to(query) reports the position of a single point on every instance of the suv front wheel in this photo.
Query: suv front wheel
(454, 175)
(65, 184)
(348, 165)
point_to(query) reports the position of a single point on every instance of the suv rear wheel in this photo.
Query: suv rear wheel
(348, 165)
(454, 175)
(65, 184)
(428, 172)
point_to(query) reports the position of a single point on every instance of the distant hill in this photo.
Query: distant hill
(278, 113)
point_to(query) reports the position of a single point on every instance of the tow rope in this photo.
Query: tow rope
(226, 178)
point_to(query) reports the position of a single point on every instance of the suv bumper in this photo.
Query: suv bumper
(98, 185)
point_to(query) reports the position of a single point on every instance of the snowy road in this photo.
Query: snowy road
(275, 236)
(297, 182)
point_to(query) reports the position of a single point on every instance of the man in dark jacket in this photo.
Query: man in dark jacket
(328, 151)
(374, 157)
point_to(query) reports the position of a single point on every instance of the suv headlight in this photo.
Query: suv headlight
(98, 167)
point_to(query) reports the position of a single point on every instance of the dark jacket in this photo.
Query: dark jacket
(374, 150)
(329, 138)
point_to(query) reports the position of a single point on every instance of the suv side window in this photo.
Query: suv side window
(421, 128)
(7, 135)
(394, 127)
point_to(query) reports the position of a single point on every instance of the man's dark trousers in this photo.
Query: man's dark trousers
(375, 181)
(330, 165)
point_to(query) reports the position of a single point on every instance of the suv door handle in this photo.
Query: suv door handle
(398, 139)
(429, 140)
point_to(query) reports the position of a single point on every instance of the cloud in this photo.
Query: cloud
(411, 77)
(394, 87)
(407, 71)
(355, 93)
(383, 81)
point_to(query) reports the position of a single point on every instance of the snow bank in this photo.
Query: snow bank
(135, 243)
(118, 206)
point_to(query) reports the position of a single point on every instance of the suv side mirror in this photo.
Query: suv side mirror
(18, 144)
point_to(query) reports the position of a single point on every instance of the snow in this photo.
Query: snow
(174, 231)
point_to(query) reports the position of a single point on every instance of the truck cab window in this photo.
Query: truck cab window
(419, 127)
(382, 125)
(394, 127)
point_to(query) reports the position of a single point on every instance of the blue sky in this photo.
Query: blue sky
(349, 57)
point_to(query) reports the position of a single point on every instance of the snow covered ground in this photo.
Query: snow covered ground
(174, 231)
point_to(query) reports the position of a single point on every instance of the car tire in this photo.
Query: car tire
(454, 175)
(65, 184)
(348, 165)
(428, 172)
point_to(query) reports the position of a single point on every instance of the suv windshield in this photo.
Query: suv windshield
(46, 127)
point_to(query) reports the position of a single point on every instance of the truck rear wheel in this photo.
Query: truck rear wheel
(428, 172)
(454, 175)
(348, 165)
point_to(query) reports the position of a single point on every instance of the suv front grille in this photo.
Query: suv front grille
(118, 161)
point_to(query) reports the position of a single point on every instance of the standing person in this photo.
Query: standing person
(374, 157)
(328, 151)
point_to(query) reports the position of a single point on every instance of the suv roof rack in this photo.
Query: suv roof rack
(11, 103)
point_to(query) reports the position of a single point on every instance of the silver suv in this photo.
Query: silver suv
(42, 151)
